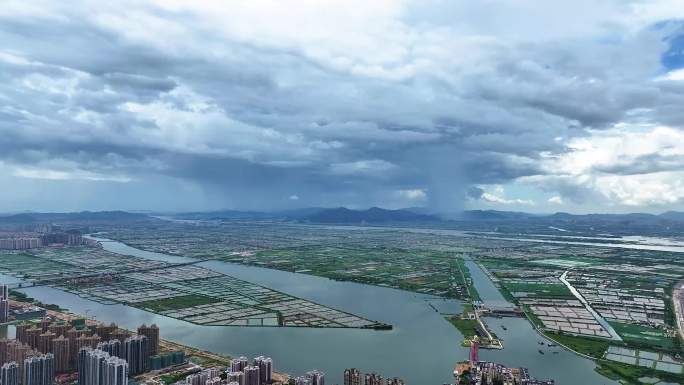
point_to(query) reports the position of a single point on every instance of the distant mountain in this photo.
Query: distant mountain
(372, 215)
(673, 215)
(317, 215)
(489, 215)
(603, 217)
(666, 224)
(420, 210)
(299, 213)
(18, 218)
(670, 224)
(223, 214)
(105, 216)
(246, 215)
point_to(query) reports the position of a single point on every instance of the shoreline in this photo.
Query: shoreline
(165, 345)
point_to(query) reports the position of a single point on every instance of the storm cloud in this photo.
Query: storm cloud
(391, 103)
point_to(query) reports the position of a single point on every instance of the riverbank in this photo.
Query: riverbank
(419, 329)
(199, 356)
(421, 349)
(593, 349)
(473, 328)
(521, 330)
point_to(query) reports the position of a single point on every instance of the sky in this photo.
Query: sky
(525, 105)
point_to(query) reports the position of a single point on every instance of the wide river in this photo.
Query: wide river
(422, 348)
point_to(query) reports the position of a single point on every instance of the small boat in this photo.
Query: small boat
(504, 327)
(541, 342)
(552, 345)
(555, 352)
(540, 351)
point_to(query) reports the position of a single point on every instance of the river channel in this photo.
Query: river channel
(422, 348)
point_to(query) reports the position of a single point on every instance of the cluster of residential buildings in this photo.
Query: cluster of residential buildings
(4, 304)
(97, 367)
(260, 372)
(314, 377)
(489, 373)
(476, 372)
(240, 372)
(36, 370)
(353, 376)
(102, 354)
(32, 240)
(208, 376)
(20, 243)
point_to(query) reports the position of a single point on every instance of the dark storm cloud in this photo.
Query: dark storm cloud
(475, 192)
(645, 164)
(256, 119)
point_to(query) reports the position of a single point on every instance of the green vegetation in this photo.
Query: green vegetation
(205, 297)
(467, 327)
(670, 316)
(465, 280)
(532, 317)
(17, 258)
(21, 297)
(464, 378)
(630, 375)
(173, 378)
(567, 262)
(644, 336)
(207, 362)
(592, 347)
(434, 263)
(173, 303)
(434, 272)
(32, 266)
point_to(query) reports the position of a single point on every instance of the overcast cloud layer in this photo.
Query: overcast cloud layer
(172, 105)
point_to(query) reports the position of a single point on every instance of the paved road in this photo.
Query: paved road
(596, 315)
(677, 297)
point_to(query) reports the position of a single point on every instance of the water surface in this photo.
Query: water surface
(422, 348)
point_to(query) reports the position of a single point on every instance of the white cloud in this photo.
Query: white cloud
(314, 90)
(496, 194)
(676, 75)
(492, 198)
(187, 122)
(621, 146)
(652, 189)
(294, 197)
(372, 167)
(556, 200)
(414, 195)
(75, 174)
(626, 165)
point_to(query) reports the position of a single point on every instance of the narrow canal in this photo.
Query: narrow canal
(523, 346)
